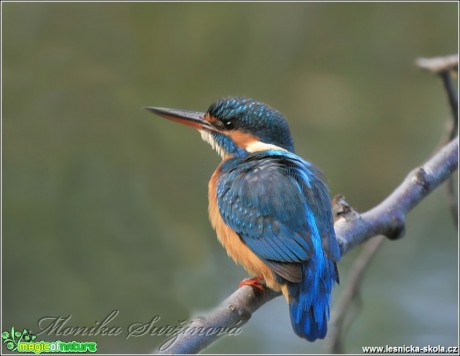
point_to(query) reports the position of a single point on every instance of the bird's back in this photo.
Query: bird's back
(272, 213)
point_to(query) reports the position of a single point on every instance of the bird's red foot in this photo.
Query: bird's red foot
(254, 283)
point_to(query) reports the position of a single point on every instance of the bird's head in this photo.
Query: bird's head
(236, 126)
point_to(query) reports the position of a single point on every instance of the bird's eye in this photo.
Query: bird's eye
(228, 125)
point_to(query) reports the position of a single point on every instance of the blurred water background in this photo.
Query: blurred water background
(105, 205)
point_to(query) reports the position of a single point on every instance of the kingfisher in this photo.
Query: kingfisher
(270, 208)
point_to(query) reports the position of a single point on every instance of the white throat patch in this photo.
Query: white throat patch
(207, 137)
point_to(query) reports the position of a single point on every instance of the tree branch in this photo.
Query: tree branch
(445, 68)
(226, 319)
(343, 314)
(387, 218)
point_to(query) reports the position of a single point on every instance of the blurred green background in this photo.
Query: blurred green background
(105, 205)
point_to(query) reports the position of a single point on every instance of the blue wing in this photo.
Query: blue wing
(278, 204)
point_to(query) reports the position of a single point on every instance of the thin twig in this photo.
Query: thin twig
(337, 325)
(452, 96)
(451, 183)
(452, 200)
(387, 218)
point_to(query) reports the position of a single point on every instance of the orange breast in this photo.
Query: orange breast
(235, 247)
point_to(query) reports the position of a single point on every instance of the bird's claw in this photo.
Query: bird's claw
(253, 282)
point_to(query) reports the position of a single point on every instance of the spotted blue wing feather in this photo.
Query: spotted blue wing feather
(279, 206)
(266, 199)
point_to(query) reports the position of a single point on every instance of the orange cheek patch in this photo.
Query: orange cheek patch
(240, 138)
(243, 139)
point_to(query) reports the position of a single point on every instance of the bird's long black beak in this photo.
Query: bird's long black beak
(190, 118)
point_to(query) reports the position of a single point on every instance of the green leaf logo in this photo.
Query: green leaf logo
(13, 338)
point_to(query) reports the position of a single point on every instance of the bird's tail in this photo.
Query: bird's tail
(309, 299)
